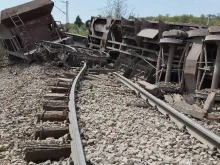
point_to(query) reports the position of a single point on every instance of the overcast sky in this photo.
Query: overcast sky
(88, 8)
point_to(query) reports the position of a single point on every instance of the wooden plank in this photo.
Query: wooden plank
(39, 151)
(55, 96)
(53, 131)
(52, 116)
(101, 70)
(65, 79)
(70, 75)
(60, 84)
(51, 106)
(93, 77)
(90, 78)
(141, 105)
(59, 89)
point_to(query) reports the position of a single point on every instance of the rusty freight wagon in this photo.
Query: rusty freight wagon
(22, 26)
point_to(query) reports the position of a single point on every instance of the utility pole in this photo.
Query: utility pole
(208, 19)
(67, 15)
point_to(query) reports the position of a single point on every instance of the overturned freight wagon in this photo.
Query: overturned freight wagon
(22, 26)
(163, 53)
(143, 47)
(207, 79)
(29, 31)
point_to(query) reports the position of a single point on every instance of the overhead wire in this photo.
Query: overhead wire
(91, 10)
(60, 9)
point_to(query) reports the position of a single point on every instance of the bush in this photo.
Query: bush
(185, 18)
(73, 28)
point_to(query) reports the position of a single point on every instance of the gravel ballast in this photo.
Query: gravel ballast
(115, 133)
(22, 87)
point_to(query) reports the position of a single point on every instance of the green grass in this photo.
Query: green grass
(80, 32)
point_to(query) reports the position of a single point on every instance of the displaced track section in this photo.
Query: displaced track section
(23, 87)
(56, 122)
(77, 154)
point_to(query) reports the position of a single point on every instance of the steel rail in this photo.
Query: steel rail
(77, 152)
(205, 136)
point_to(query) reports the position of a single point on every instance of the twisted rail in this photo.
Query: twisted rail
(77, 153)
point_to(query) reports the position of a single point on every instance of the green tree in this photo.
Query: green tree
(185, 18)
(78, 21)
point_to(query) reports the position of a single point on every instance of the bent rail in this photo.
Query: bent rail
(200, 133)
(77, 153)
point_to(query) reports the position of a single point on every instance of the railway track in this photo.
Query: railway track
(205, 136)
(54, 131)
(108, 125)
(103, 123)
(117, 128)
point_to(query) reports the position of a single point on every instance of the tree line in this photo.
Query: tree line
(78, 27)
(119, 8)
(185, 18)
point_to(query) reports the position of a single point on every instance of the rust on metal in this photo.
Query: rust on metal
(21, 26)
(179, 56)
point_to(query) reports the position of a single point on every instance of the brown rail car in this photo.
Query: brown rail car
(22, 26)
(171, 55)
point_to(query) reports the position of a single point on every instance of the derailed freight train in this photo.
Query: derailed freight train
(176, 57)
(22, 26)
(29, 31)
